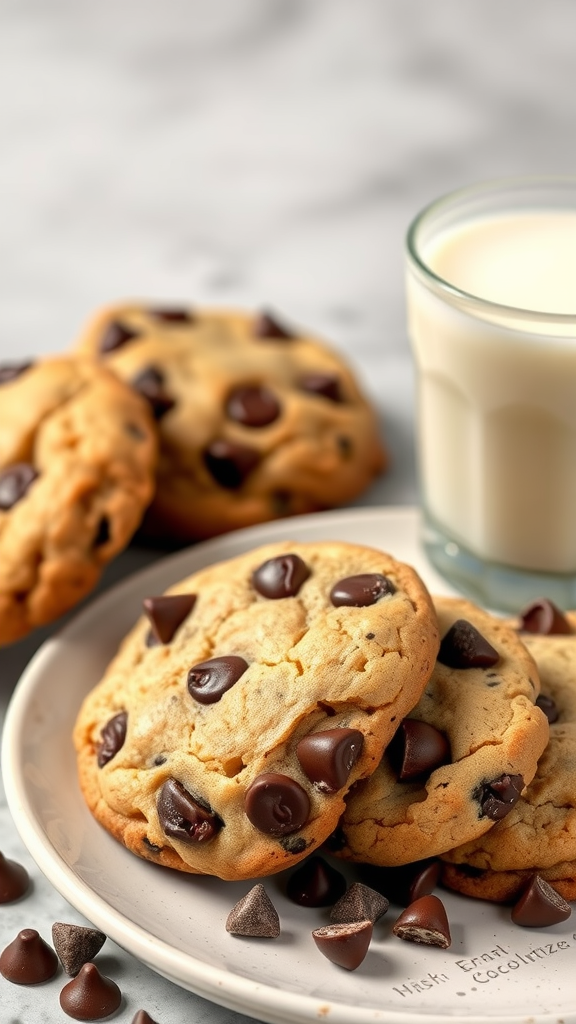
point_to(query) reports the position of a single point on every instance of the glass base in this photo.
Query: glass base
(498, 587)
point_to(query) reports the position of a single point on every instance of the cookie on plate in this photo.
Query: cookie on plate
(238, 712)
(460, 760)
(256, 421)
(77, 459)
(539, 835)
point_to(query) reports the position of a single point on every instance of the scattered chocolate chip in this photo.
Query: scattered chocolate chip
(10, 371)
(359, 903)
(28, 959)
(150, 384)
(76, 945)
(14, 880)
(280, 577)
(497, 798)
(116, 335)
(424, 921)
(141, 1017)
(90, 996)
(315, 883)
(113, 735)
(254, 915)
(540, 905)
(253, 406)
(543, 617)
(209, 680)
(266, 326)
(276, 804)
(403, 885)
(230, 463)
(172, 316)
(167, 613)
(465, 647)
(416, 749)
(14, 482)
(344, 944)
(185, 818)
(102, 533)
(325, 384)
(362, 590)
(327, 758)
(548, 706)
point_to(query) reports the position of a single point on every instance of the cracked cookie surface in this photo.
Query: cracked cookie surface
(255, 421)
(228, 747)
(77, 458)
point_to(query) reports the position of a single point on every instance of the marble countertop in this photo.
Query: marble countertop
(249, 152)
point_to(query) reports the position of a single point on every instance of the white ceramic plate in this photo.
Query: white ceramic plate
(494, 972)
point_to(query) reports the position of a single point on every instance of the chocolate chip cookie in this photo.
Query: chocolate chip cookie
(249, 698)
(256, 421)
(460, 760)
(539, 835)
(77, 459)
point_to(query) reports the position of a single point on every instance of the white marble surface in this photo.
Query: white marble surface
(250, 152)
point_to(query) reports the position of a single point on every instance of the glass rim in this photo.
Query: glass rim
(441, 285)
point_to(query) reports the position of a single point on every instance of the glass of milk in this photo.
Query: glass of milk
(491, 293)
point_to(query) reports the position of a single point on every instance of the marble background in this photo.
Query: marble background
(252, 152)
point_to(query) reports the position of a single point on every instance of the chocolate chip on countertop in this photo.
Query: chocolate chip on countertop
(424, 921)
(14, 880)
(416, 749)
(404, 884)
(209, 680)
(497, 798)
(183, 817)
(116, 335)
(315, 883)
(167, 613)
(543, 617)
(327, 758)
(540, 905)
(362, 590)
(112, 738)
(252, 406)
(254, 914)
(276, 804)
(344, 944)
(230, 463)
(359, 903)
(141, 1017)
(14, 483)
(90, 996)
(266, 326)
(280, 577)
(28, 959)
(76, 945)
(464, 647)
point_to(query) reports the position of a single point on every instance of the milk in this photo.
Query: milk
(497, 385)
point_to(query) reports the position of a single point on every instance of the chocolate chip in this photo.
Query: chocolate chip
(112, 738)
(90, 996)
(540, 905)
(424, 921)
(359, 903)
(465, 647)
(172, 316)
(76, 945)
(167, 613)
(325, 384)
(345, 446)
(344, 944)
(102, 533)
(416, 749)
(336, 841)
(280, 577)
(184, 818)
(276, 804)
(254, 915)
(253, 406)
(404, 884)
(548, 706)
(497, 798)
(28, 959)
(362, 590)
(14, 880)
(294, 844)
(315, 884)
(150, 384)
(230, 463)
(141, 1017)
(266, 326)
(10, 371)
(116, 335)
(152, 847)
(327, 758)
(14, 483)
(543, 617)
(209, 680)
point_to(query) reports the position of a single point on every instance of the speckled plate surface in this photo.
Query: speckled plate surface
(493, 973)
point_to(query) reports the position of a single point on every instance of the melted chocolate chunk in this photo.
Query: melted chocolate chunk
(403, 885)
(14, 482)
(416, 749)
(344, 944)
(543, 617)
(184, 818)
(497, 798)
(540, 906)
(10, 371)
(152, 847)
(150, 384)
(209, 680)
(102, 533)
(359, 591)
(280, 577)
(167, 613)
(359, 903)
(113, 735)
(76, 945)
(424, 921)
(315, 884)
(325, 384)
(116, 335)
(254, 914)
(276, 804)
(14, 880)
(266, 326)
(327, 758)
(465, 647)
(28, 959)
(172, 316)
(254, 406)
(230, 463)
(90, 996)
(548, 706)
